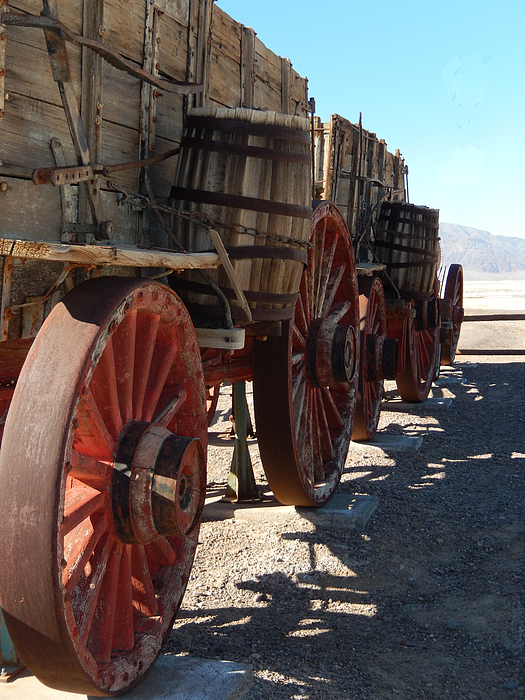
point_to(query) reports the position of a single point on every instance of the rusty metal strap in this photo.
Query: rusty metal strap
(239, 315)
(406, 207)
(246, 151)
(74, 175)
(112, 56)
(239, 202)
(350, 176)
(237, 126)
(431, 255)
(394, 220)
(261, 251)
(261, 297)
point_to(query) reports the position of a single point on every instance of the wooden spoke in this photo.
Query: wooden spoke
(123, 627)
(301, 318)
(324, 277)
(147, 326)
(333, 416)
(79, 546)
(80, 503)
(100, 635)
(124, 342)
(161, 552)
(90, 471)
(92, 435)
(144, 600)
(91, 586)
(105, 391)
(165, 417)
(334, 282)
(161, 364)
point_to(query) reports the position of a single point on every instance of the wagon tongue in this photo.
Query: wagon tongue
(153, 489)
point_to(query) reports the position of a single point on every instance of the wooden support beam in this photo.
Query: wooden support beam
(247, 67)
(95, 255)
(286, 85)
(7, 279)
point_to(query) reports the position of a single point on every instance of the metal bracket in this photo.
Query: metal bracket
(10, 663)
(241, 481)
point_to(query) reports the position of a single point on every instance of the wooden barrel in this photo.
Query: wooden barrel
(248, 172)
(407, 242)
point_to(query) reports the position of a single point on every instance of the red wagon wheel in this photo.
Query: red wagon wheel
(373, 330)
(452, 313)
(305, 380)
(421, 348)
(102, 483)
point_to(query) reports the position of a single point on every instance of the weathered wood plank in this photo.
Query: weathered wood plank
(120, 255)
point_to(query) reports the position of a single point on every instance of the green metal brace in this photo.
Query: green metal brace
(241, 481)
(10, 664)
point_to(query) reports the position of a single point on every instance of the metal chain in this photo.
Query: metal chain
(140, 202)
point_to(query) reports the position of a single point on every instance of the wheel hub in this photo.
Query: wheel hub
(381, 358)
(332, 353)
(155, 486)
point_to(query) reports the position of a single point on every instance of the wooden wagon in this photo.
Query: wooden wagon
(157, 239)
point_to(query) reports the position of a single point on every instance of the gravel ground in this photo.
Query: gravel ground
(427, 602)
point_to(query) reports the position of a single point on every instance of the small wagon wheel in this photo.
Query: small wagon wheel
(102, 483)
(420, 362)
(373, 343)
(453, 313)
(305, 381)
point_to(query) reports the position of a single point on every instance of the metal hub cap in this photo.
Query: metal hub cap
(332, 353)
(381, 358)
(154, 485)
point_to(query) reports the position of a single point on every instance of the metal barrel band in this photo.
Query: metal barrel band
(431, 255)
(245, 151)
(237, 126)
(239, 202)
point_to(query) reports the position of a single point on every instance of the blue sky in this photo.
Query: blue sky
(443, 81)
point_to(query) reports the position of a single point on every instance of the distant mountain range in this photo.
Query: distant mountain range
(481, 251)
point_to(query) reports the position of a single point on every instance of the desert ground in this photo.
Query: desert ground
(494, 294)
(425, 602)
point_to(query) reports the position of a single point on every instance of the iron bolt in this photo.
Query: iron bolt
(2, 72)
(3, 186)
(7, 97)
(101, 30)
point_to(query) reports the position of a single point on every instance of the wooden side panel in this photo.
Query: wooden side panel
(357, 172)
(225, 67)
(187, 46)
